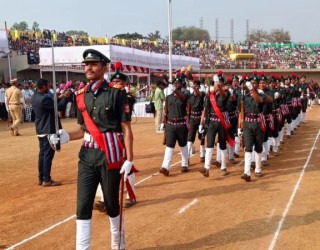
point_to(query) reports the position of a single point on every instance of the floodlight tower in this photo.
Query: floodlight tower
(247, 29)
(232, 30)
(201, 22)
(217, 29)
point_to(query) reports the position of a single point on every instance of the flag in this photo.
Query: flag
(4, 49)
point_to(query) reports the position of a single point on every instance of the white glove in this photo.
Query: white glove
(201, 130)
(276, 95)
(240, 133)
(216, 78)
(260, 91)
(301, 97)
(161, 126)
(126, 169)
(249, 85)
(54, 139)
(64, 136)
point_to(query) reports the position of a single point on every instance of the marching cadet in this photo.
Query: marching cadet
(215, 116)
(237, 90)
(304, 87)
(288, 100)
(232, 106)
(175, 121)
(269, 118)
(254, 127)
(277, 116)
(196, 102)
(103, 115)
(296, 100)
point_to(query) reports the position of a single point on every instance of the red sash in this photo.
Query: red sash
(101, 140)
(221, 118)
(271, 122)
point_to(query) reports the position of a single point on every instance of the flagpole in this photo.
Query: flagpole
(170, 38)
(9, 59)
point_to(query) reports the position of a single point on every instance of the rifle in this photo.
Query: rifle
(241, 119)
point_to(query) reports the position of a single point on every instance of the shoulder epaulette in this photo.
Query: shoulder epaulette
(116, 86)
(81, 91)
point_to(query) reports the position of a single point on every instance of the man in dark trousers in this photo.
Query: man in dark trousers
(103, 115)
(176, 119)
(43, 107)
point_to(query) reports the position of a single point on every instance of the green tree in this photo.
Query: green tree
(280, 36)
(190, 34)
(276, 35)
(36, 26)
(154, 36)
(258, 35)
(76, 32)
(23, 26)
(132, 36)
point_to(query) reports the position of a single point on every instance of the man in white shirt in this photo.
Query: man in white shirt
(27, 94)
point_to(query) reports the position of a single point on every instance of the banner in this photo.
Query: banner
(4, 50)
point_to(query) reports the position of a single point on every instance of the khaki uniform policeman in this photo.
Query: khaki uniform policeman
(13, 97)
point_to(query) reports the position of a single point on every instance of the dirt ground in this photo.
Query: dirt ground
(281, 210)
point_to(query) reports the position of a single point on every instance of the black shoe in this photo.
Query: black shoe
(51, 183)
(129, 203)
(40, 182)
(218, 164)
(201, 159)
(204, 171)
(246, 177)
(99, 205)
(224, 172)
(184, 169)
(236, 155)
(164, 171)
(232, 161)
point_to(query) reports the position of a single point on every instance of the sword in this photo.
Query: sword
(57, 147)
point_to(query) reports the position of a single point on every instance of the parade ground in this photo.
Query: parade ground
(280, 210)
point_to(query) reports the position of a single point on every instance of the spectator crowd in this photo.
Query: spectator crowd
(212, 55)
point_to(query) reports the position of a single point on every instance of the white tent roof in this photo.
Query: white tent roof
(126, 55)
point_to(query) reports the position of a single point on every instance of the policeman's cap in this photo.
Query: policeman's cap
(14, 80)
(92, 55)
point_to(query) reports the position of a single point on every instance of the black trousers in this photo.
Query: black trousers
(3, 112)
(253, 136)
(215, 128)
(194, 127)
(304, 104)
(92, 170)
(176, 133)
(46, 154)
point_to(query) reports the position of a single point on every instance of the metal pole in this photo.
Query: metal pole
(9, 59)
(170, 38)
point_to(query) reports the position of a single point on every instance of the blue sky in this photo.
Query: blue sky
(106, 17)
